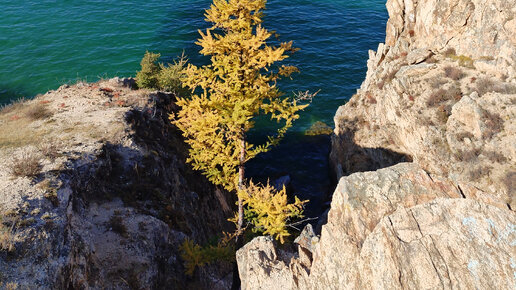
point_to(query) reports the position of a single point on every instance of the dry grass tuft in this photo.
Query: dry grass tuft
(37, 111)
(14, 106)
(49, 150)
(495, 157)
(453, 73)
(510, 181)
(480, 172)
(116, 223)
(6, 237)
(486, 85)
(28, 165)
(442, 95)
(494, 125)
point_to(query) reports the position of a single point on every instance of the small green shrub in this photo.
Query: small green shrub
(147, 77)
(319, 128)
(194, 255)
(156, 75)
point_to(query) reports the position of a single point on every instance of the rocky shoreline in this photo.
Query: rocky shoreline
(110, 198)
(95, 192)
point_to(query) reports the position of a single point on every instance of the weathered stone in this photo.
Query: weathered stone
(395, 228)
(112, 207)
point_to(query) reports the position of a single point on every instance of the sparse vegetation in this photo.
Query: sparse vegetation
(486, 85)
(6, 236)
(510, 181)
(156, 75)
(495, 157)
(463, 135)
(116, 223)
(468, 154)
(494, 125)
(480, 172)
(443, 113)
(28, 165)
(441, 95)
(37, 111)
(438, 82)
(197, 256)
(453, 73)
(319, 128)
(463, 60)
(49, 150)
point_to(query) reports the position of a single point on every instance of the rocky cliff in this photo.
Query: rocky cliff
(440, 94)
(95, 193)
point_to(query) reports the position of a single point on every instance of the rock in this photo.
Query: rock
(442, 96)
(113, 201)
(261, 266)
(307, 238)
(396, 228)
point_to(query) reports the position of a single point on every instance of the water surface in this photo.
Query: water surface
(46, 43)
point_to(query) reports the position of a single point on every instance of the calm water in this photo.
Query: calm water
(46, 43)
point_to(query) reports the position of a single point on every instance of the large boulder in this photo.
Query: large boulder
(441, 92)
(396, 228)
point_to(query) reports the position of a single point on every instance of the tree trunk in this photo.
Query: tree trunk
(241, 175)
(239, 241)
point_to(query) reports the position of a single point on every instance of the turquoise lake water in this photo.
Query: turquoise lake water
(46, 43)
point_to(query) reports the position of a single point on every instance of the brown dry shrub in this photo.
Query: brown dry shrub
(442, 95)
(443, 113)
(494, 125)
(28, 165)
(49, 150)
(510, 181)
(487, 85)
(437, 83)
(116, 223)
(37, 112)
(468, 155)
(495, 157)
(371, 99)
(480, 172)
(453, 73)
(6, 237)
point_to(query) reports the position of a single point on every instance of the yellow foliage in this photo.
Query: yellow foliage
(238, 85)
(269, 210)
(196, 256)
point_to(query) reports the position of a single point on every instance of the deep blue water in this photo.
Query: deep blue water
(45, 43)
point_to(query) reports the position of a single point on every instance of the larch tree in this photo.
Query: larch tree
(228, 94)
